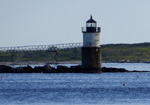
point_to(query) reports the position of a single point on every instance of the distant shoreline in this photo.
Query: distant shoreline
(42, 63)
(60, 62)
(125, 62)
(111, 53)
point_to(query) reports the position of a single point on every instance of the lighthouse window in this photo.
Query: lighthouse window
(90, 24)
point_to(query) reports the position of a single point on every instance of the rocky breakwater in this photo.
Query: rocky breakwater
(59, 69)
(39, 69)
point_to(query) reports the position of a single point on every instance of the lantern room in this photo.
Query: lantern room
(91, 23)
(91, 26)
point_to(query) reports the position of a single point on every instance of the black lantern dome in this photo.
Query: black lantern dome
(91, 22)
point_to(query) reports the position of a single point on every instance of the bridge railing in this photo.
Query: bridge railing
(53, 47)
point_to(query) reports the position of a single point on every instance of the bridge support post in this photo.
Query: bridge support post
(17, 60)
(52, 57)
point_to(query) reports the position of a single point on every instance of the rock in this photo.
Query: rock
(38, 69)
(104, 69)
(49, 69)
(76, 69)
(28, 69)
(5, 69)
(63, 69)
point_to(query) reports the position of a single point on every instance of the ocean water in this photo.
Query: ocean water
(129, 66)
(75, 89)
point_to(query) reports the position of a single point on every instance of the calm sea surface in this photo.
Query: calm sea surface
(71, 89)
(129, 66)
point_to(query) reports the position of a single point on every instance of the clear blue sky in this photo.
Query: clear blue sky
(42, 22)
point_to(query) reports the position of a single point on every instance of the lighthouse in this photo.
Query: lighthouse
(91, 50)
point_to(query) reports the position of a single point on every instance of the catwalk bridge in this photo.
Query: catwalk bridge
(48, 48)
(17, 53)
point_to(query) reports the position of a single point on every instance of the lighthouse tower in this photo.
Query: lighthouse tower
(91, 50)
